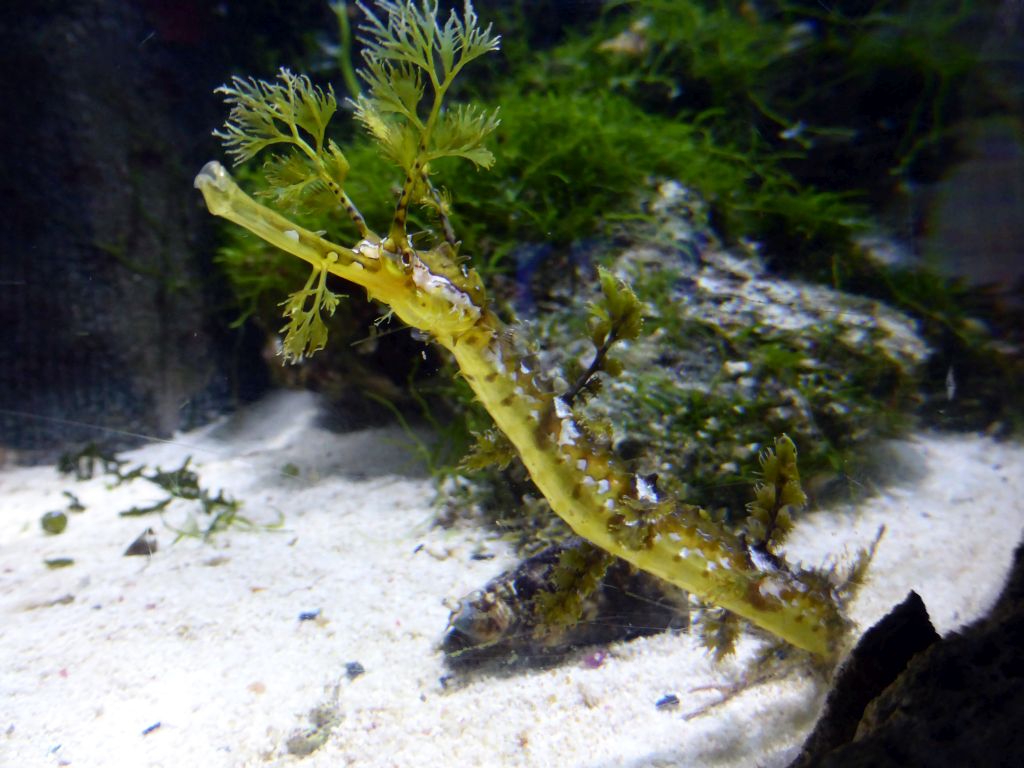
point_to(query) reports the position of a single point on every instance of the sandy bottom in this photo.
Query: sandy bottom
(196, 655)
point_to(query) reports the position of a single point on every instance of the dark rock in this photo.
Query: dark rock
(880, 656)
(145, 544)
(959, 703)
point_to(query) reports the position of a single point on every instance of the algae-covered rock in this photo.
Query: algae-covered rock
(733, 356)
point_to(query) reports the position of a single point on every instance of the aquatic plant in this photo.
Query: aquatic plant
(410, 61)
(181, 484)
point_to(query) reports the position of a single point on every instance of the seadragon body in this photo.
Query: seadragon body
(585, 484)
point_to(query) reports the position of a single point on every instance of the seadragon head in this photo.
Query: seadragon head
(427, 289)
(285, 121)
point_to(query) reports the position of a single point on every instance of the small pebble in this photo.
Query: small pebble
(353, 670)
(144, 544)
(54, 522)
(309, 615)
(668, 701)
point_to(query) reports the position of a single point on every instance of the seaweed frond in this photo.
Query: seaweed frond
(305, 332)
(770, 514)
(490, 449)
(403, 54)
(574, 578)
(617, 316)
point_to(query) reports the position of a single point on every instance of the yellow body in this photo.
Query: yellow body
(585, 485)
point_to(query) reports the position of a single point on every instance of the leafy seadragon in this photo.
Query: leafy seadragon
(410, 63)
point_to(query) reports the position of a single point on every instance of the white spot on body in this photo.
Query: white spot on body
(603, 487)
(442, 287)
(562, 409)
(644, 490)
(368, 249)
(761, 561)
(581, 465)
(770, 587)
(568, 433)
(291, 234)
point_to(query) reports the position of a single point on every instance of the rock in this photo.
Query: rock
(959, 703)
(880, 656)
(505, 623)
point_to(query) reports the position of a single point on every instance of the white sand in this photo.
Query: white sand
(204, 638)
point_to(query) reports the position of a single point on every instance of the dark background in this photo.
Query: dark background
(115, 321)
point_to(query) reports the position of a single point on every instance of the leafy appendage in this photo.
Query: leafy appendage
(413, 36)
(617, 316)
(577, 575)
(461, 132)
(404, 53)
(770, 514)
(394, 89)
(718, 630)
(399, 140)
(491, 449)
(292, 112)
(263, 114)
(856, 571)
(305, 331)
(292, 182)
